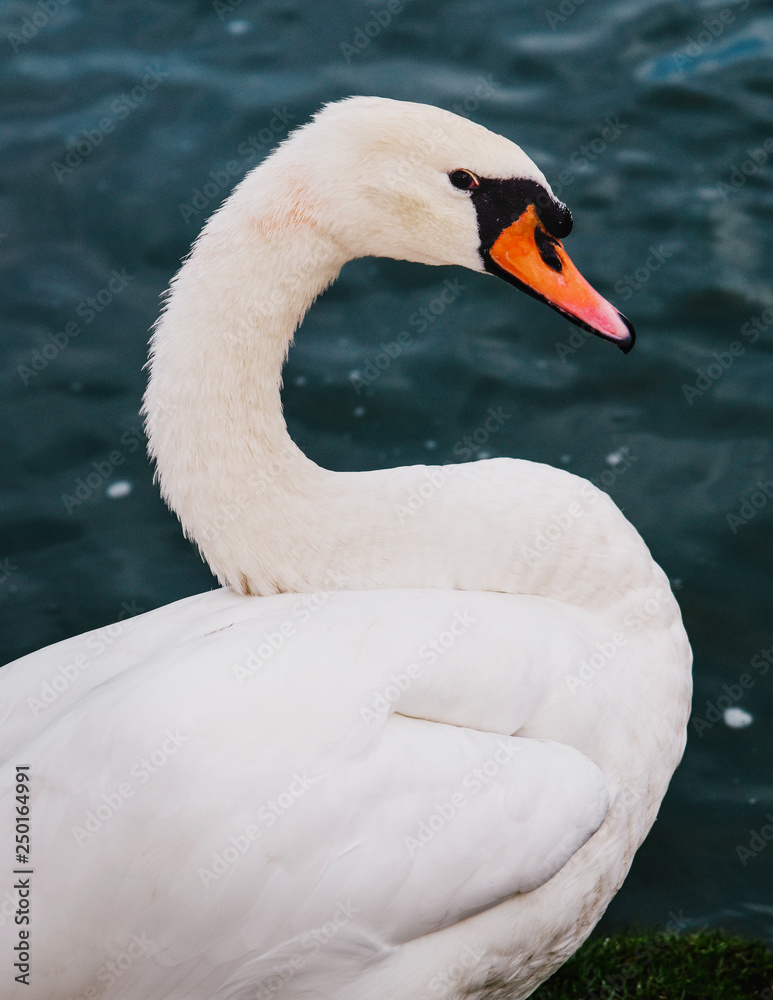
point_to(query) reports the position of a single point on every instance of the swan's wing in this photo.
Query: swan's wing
(439, 823)
(252, 783)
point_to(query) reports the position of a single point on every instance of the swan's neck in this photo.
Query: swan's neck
(213, 406)
(266, 518)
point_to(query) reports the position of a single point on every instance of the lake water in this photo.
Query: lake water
(125, 124)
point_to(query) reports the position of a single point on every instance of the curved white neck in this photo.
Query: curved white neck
(268, 519)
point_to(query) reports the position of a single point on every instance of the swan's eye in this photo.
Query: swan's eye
(464, 180)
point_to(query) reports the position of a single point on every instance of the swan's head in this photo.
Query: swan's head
(395, 179)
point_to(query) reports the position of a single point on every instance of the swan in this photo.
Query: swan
(394, 755)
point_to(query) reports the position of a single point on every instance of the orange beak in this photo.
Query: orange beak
(538, 263)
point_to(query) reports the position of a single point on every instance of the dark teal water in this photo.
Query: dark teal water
(123, 126)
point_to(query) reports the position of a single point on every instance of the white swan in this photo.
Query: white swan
(318, 794)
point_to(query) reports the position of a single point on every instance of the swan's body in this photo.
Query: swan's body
(352, 753)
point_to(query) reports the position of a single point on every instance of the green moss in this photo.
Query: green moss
(661, 965)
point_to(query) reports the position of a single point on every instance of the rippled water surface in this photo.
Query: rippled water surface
(124, 125)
